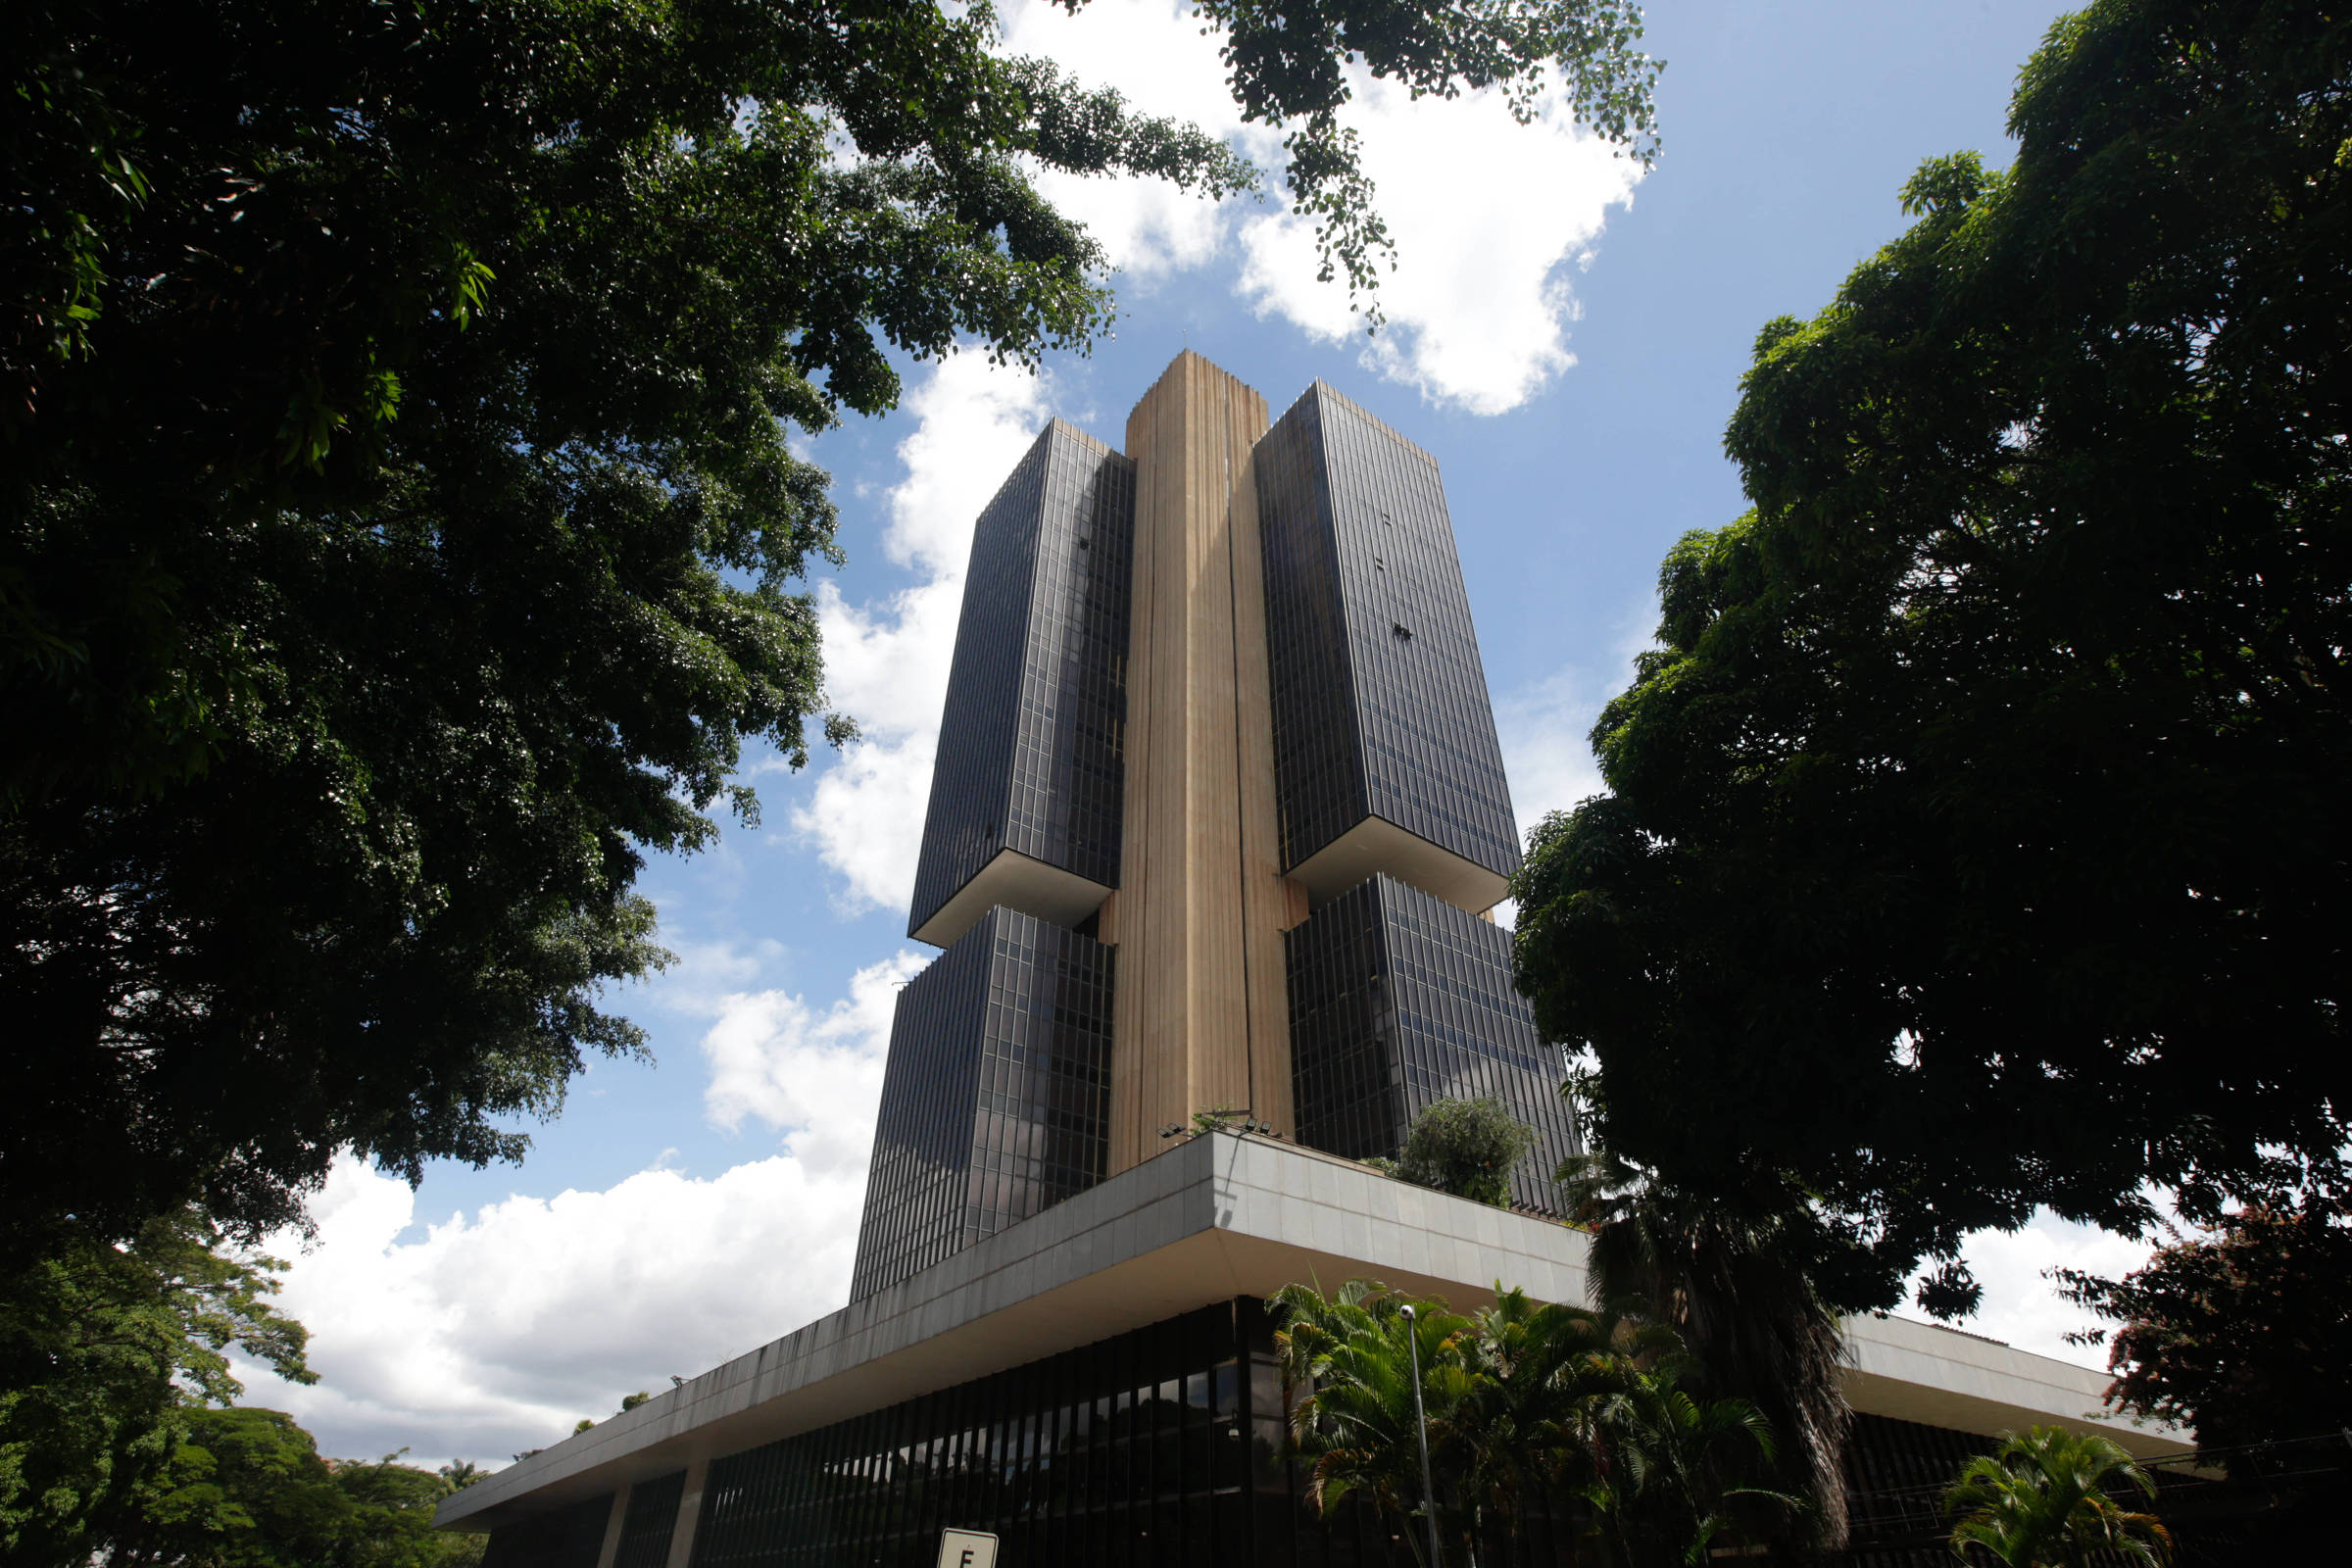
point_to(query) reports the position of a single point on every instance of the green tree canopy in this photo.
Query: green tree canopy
(1468, 1148)
(1974, 838)
(2244, 1335)
(105, 1351)
(398, 532)
(2044, 1501)
(1527, 1404)
(247, 1489)
(1734, 1282)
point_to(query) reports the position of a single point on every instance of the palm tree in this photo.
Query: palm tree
(1355, 1417)
(1523, 1400)
(1732, 1279)
(1681, 1466)
(1547, 1379)
(2040, 1501)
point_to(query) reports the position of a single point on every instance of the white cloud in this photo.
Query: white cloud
(1488, 217)
(886, 663)
(2022, 1307)
(1546, 753)
(704, 973)
(1157, 53)
(494, 1333)
(815, 1075)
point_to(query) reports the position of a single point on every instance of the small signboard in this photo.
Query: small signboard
(967, 1548)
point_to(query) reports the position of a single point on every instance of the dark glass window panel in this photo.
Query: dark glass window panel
(1029, 744)
(1398, 999)
(1380, 700)
(995, 1097)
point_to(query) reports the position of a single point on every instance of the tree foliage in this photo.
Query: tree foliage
(1468, 1148)
(1973, 837)
(1583, 1411)
(2042, 1500)
(247, 1489)
(398, 532)
(2244, 1335)
(1734, 1282)
(104, 1352)
(1288, 65)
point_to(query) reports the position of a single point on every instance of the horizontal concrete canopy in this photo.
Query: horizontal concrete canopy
(1017, 882)
(1377, 844)
(1207, 1220)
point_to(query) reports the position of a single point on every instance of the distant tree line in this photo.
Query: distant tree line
(119, 1443)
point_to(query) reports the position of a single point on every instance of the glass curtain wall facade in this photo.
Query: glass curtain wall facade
(1379, 696)
(1399, 999)
(1158, 1449)
(995, 1095)
(1163, 1448)
(1029, 742)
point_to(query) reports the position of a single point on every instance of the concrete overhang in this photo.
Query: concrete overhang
(1210, 1219)
(1377, 844)
(1017, 882)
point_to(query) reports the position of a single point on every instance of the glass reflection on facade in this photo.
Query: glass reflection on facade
(1029, 742)
(996, 1094)
(1380, 700)
(1398, 999)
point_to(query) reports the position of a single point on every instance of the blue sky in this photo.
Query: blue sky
(1567, 340)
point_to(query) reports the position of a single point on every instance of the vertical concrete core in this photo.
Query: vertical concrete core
(1201, 1017)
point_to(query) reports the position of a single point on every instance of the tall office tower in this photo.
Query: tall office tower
(1025, 797)
(1385, 753)
(995, 1095)
(1217, 812)
(1217, 723)
(1395, 819)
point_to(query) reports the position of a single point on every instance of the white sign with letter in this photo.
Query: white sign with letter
(967, 1548)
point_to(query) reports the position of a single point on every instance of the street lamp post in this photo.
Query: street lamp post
(1429, 1490)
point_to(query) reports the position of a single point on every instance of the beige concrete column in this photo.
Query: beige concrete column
(613, 1519)
(1201, 1017)
(690, 1512)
